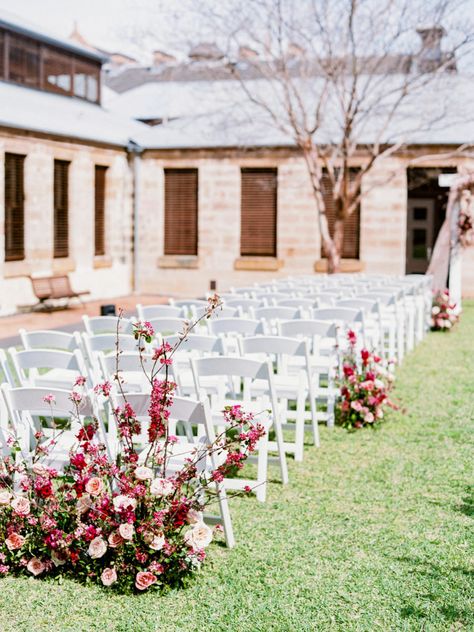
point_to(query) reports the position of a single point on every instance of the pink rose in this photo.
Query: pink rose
(143, 473)
(35, 566)
(161, 487)
(109, 576)
(357, 406)
(21, 505)
(14, 541)
(97, 548)
(369, 418)
(144, 580)
(40, 470)
(94, 486)
(5, 497)
(199, 536)
(155, 542)
(115, 539)
(124, 502)
(193, 516)
(126, 530)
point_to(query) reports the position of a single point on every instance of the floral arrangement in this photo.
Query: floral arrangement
(443, 312)
(126, 524)
(365, 386)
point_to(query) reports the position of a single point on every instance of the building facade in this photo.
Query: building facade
(122, 206)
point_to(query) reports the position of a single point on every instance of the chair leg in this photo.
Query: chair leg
(262, 469)
(225, 515)
(299, 426)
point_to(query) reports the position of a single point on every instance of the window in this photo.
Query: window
(258, 232)
(61, 209)
(99, 209)
(33, 63)
(24, 61)
(57, 71)
(181, 212)
(14, 208)
(350, 249)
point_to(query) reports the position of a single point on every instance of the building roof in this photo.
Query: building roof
(23, 27)
(219, 114)
(43, 112)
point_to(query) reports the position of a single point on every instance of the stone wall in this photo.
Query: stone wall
(105, 276)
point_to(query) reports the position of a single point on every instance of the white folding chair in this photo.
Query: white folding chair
(193, 417)
(294, 386)
(8, 375)
(134, 370)
(26, 405)
(107, 325)
(49, 367)
(146, 312)
(50, 339)
(270, 316)
(324, 360)
(246, 371)
(107, 344)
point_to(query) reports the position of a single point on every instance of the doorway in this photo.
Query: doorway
(426, 210)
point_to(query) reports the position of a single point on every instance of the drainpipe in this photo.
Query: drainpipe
(134, 156)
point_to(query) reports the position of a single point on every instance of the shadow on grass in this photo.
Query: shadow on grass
(467, 503)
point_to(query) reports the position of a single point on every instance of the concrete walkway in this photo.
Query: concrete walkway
(68, 319)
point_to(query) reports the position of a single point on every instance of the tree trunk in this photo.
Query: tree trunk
(334, 252)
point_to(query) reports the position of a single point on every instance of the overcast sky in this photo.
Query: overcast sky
(105, 23)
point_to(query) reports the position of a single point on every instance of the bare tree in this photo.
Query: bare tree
(348, 81)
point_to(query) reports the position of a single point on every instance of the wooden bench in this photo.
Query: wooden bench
(53, 288)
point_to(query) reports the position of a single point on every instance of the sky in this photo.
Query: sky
(109, 24)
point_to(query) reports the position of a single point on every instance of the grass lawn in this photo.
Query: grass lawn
(374, 531)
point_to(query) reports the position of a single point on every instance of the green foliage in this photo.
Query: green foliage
(373, 533)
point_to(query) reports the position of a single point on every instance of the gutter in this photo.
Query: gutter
(134, 152)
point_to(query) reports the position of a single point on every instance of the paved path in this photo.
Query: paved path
(68, 319)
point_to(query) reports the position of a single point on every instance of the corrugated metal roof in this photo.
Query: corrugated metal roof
(23, 27)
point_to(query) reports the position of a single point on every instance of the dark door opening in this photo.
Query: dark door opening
(426, 210)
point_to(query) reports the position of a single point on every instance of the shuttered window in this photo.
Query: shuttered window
(258, 218)
(61, 209)
(99, 209)
(181, 212)
(350, 248)
(14, 208)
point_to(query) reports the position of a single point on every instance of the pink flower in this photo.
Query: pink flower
(94, 486)
(199, 536)
(144, 580)
(75, 397)
(49, 399)
(80, 381)
(35, 566)
(5, 497)
(97, 548)
(115, 539)
(122, 503)
(357, 406)
(21, 505)
(143, 473)
(193, 516)
(126, 530)
(14, 541)
(155, 542)
(369, 418)
(161, 487)
(84, 503)
(40, 470)
(109, 576)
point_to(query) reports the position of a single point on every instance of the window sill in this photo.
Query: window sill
(347, 265)
(270, 264)
(186, 262)
(102, 261)
(63, 265)
(20, 268)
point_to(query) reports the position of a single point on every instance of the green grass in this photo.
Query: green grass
(374, 531)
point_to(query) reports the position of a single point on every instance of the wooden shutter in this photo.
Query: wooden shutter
(61, 209)
(99, 207)
(350, 248)
(14, 208)
(258, 233)
(181, 212)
